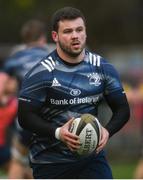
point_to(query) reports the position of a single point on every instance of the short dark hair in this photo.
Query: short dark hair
(32, 30)
(66, 13)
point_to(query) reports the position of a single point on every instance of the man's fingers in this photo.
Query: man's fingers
(73, 146)
(72, 136)
(99, 148)
(72, 140)
(69, 122)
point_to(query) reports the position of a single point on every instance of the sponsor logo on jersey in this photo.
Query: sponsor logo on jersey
(55, 83)
(75, 92)
(75, 100)
(94, 79)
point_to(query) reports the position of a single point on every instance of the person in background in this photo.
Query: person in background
(33, 35)
(67, 83)
(8, 111)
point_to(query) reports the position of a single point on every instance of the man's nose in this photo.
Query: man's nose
(74, 34)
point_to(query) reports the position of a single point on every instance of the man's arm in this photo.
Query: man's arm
(29, 119)
(118, 103)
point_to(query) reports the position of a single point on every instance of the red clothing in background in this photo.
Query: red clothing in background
(7, 115)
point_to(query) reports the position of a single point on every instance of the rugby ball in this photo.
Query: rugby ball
(88, 128)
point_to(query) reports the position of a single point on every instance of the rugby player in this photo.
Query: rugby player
(70, 81)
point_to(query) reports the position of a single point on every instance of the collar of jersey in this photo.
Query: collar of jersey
(67, 63)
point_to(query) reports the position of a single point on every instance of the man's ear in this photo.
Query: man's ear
(55, 36)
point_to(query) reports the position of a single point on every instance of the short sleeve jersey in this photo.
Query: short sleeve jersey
(64, 91)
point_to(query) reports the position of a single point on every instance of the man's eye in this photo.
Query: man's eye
(67, 31)
(79, 30)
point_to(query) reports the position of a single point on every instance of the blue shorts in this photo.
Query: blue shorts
(93, 167)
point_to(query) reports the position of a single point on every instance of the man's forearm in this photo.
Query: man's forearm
(30, 120)
(121, 113)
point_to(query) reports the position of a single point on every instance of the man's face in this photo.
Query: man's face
(10, 89)
(71, 36)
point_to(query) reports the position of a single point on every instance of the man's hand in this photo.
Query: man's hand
(103, 140)
(70, 139)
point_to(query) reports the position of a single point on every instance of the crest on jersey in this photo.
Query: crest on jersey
(94, 79)
(75, 92)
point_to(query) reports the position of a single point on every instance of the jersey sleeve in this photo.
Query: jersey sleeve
(112, 79)
(35, 86)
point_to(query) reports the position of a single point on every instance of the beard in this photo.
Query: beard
(68, 50)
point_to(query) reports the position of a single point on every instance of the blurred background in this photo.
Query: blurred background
(114, 31)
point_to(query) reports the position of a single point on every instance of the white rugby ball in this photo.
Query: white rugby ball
(88, 128)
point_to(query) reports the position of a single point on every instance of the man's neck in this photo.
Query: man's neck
(71, 59)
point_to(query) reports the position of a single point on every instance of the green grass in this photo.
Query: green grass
(2, 174)
(123, 170)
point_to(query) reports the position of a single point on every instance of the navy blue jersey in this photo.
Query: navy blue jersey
(22, 61)
(64, 91)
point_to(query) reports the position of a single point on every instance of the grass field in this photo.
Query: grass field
(2, 174)
(123, 171)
